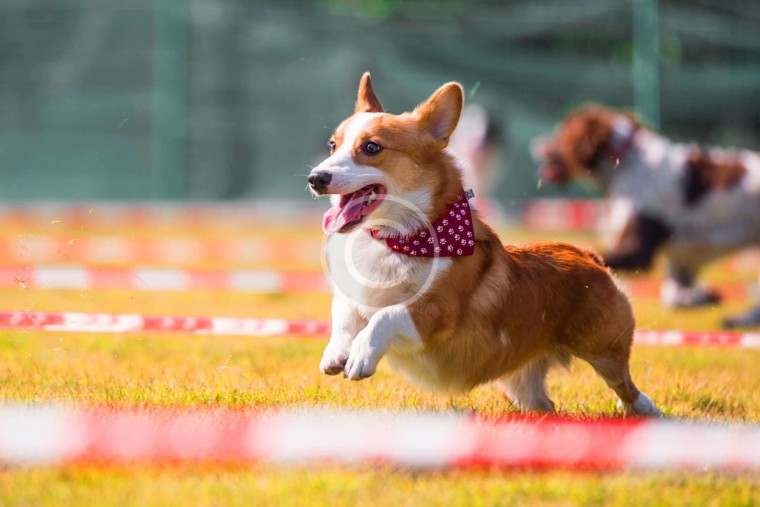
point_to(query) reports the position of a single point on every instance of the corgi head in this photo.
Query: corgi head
(384, 166)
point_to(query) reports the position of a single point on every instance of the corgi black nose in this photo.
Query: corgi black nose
(318, 181)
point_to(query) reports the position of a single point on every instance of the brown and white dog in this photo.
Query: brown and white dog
(691, 204)
(452, 316)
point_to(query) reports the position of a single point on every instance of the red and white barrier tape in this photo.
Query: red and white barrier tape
(562, 214)
(83, 277)
(544, 214)
(729, 339)
(133, 323)
(541, 214)
(131, 216)
(235, 326)
(55, 435)
(158, 279)
(647, 288)
(178, 250)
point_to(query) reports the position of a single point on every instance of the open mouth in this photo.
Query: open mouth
(352, 209)
(554, 172)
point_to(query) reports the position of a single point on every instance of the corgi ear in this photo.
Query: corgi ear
(439, 115)
(366, 101)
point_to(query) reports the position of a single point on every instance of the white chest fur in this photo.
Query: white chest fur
(370, 275)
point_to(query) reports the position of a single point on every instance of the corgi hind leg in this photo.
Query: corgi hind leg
(613, 368)
(607, 348)
(526, 387)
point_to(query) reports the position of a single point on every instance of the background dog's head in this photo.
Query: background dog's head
(584, 140)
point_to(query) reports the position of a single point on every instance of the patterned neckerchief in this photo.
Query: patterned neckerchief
(452, 235)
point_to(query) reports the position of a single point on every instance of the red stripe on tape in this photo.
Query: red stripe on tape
(153, 279)
(174, 250)
(143, 215)
(125, 323)
(82, 277)
(550, 442)
(45, 435)
(130, 323)
(562, 214)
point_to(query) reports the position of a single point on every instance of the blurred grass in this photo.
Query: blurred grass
(204, 486)
(142, 371)
(251, 374)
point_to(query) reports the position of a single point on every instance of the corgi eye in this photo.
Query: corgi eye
(331, 145)
(371, 148)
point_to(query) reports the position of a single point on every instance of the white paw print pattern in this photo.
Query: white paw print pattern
(455, 240)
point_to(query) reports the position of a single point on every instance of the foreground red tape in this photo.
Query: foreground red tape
(54, 435)
(237, 326)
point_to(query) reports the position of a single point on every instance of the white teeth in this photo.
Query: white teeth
(372, 196)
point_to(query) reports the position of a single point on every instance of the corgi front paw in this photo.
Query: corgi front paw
(362, 362)
(333, 362)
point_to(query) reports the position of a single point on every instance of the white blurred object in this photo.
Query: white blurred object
(475, 144)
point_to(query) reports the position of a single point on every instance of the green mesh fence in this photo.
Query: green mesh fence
(234, 99)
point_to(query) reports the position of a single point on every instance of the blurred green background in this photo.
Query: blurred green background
(234, 99)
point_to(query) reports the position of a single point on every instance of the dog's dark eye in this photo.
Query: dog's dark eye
(331, 145)
(371, 148)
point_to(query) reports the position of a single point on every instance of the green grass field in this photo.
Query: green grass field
(251, 374)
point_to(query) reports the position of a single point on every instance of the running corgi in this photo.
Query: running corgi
(420, 279)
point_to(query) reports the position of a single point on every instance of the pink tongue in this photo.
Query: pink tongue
(555, 173)
(344, 213)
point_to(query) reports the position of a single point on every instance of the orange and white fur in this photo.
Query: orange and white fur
(504, 314)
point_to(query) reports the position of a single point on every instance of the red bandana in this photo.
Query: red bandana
(453, 234)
